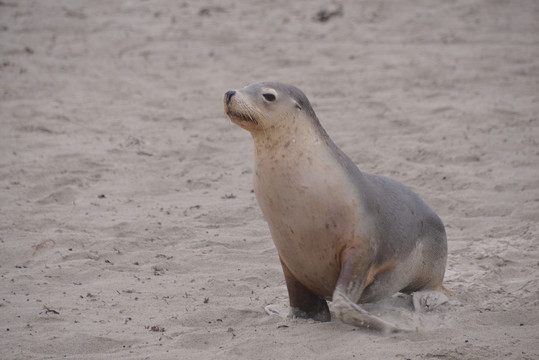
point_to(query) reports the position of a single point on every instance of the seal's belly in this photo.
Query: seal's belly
(310, 219)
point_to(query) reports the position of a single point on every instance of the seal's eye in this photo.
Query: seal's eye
(269, 96)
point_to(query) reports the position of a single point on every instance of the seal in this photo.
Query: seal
(341, 234)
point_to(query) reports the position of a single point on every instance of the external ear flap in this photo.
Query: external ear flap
(298, 106)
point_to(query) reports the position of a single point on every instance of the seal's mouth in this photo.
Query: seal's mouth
(241, 117)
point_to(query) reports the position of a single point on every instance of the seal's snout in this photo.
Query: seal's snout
(228, 96)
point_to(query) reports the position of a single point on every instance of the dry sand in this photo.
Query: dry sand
(128, 226)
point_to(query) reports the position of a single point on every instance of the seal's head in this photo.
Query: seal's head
(266, 105)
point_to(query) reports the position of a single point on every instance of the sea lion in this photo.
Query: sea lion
(341, 234)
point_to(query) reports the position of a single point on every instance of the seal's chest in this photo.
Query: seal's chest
(309, 209)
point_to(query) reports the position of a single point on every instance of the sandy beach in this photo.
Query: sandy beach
(128, 224)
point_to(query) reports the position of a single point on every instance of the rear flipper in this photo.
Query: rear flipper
(427, 300)
(350, 313)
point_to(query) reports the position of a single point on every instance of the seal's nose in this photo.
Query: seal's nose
(228, 96)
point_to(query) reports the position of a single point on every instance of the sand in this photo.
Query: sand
(128, 225)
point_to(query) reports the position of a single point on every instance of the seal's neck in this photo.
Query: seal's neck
(301, 135)
(300, 146)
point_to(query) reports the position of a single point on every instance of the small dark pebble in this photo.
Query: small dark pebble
(207, 11)
(144, 153)
(101, 196)
(521, 324)
(324, 14)
(157, 328)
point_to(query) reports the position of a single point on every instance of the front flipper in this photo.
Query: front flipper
(352, 314)
(303, 303)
